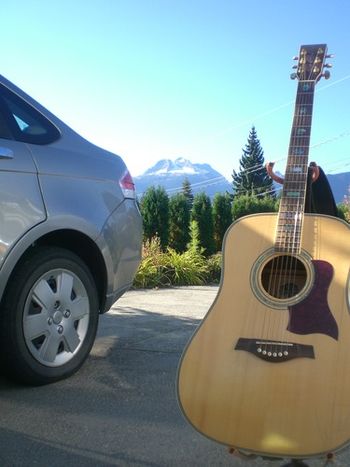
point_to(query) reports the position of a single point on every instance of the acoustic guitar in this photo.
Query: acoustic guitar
(268, 369)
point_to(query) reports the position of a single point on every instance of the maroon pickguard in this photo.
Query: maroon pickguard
(312, 315)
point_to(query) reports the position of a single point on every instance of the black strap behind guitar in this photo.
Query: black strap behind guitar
(319, 196)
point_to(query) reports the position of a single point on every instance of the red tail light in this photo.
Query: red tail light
(127, 185)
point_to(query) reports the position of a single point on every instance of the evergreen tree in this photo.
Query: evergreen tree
(194, 244)
(187, 191)
(202, 214)
(252, 179)
(179, 220)
(344, 208)
(222, 217)
(154, 208)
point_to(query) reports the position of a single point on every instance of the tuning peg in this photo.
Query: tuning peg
(295, 57)
(326, 74)
(328, 65)
(330, 56)
(295, 67)
(294, 75)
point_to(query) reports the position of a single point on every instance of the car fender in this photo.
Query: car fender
(31, 237)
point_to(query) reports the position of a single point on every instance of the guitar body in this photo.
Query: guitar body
(270, 373)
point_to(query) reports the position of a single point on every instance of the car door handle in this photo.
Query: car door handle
(6, 153)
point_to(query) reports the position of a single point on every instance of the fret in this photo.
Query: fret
(295, 160)
(297, 176)
(294, 179)
(291, 201)
(294, 187)
(291, 241)
(300, 150)
(288, 222)
(289, 234)
(285, 208)
(283, 249)
(302, 120)
(288, 216)
(298, 170)
(289, 246)
(285, 230)
(300, 132)
(301, 141)
(303, 107)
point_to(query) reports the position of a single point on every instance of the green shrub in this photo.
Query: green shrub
(250, 204)
(214, 264)
(188, 268)
(344, 211)
(152, 271)
(161, 269)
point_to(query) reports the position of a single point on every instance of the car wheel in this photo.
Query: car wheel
(49, 317)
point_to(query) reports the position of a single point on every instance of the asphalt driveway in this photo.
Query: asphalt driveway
(120, 409)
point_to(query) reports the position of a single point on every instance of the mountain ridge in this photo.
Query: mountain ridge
(171, 174)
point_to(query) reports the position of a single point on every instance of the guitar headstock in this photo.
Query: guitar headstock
(311, 63)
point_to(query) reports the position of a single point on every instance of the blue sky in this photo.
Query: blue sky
(174, 78)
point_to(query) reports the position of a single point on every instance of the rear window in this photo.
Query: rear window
(20, 121)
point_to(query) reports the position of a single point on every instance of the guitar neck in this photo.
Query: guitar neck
(291, 212)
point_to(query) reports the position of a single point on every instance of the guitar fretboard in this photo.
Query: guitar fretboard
(291, 212)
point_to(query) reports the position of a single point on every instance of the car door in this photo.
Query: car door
(21, 204)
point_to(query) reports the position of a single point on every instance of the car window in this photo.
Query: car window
(24, 122)
(4, 129)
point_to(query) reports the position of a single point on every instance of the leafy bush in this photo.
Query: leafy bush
(214, 264)
(188, 268)
(152, 271)
(159, 269)
(344, 211)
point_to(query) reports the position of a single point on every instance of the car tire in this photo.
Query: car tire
(49, 317)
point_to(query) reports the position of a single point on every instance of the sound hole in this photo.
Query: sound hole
(284, 276)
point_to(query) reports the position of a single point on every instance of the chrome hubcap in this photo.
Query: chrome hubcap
(56, 317)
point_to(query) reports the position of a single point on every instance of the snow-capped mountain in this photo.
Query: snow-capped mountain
(179, 166)
(171, 174)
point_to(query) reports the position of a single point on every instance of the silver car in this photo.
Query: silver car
(70, 239)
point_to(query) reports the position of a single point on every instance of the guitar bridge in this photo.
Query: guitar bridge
(275, 351)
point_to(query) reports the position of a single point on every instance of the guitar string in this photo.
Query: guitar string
(285, 240)
(299, 183)
(280, 263)
(304, 119)
(293, 187)
(296, 180)
(283, 268)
